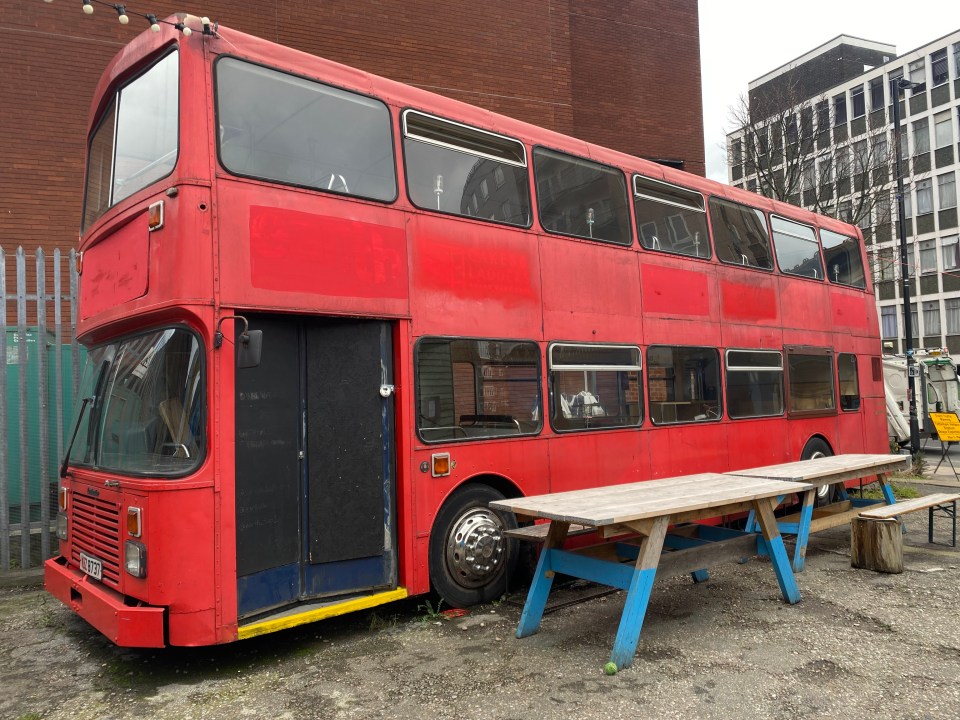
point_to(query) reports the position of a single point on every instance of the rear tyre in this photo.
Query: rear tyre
(817, 448)
(470, 559)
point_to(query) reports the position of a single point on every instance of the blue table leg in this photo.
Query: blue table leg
(778, 553)
(887, 490)
(638, 595)
(542, 582)
(803, 532)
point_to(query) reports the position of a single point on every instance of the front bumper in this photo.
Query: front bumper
(125, 625)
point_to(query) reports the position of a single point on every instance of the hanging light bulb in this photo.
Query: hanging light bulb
(88, 7)
(154, 25)
(122, 14)
(184, 29)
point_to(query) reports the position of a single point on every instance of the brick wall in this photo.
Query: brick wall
(624, 74)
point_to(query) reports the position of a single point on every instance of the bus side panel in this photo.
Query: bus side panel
(804, 305)
(590, 292)
(753, 442)
(327, 255)
(594, 459)
(688, 449)
(474, 279)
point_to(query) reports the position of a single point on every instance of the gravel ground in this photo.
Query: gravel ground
(859, 645)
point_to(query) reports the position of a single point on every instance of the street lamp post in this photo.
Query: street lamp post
(896, 85)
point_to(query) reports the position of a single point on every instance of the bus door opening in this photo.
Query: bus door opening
(315, 462)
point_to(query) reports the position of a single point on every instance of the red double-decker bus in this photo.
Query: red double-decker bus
(331, 317)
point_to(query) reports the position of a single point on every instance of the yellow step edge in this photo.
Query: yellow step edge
(308, 616)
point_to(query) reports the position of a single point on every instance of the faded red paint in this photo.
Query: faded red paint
(293, 251)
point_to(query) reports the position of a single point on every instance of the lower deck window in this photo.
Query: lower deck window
(595, 386)
(754, 383)
(811, 381)
(469, 388)
(849, 381)
(684, 384)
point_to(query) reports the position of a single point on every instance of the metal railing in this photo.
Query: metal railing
(36, 400)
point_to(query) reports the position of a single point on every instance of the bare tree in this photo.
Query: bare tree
(796, 149)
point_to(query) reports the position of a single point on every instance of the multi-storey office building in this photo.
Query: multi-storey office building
(819, 132)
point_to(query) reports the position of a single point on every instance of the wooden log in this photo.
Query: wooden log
(876, 545)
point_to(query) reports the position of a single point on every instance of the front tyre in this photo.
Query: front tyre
(470, 559)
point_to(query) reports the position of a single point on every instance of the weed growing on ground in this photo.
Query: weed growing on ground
(429, 612)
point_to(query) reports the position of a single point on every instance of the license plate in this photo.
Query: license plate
(91, 566)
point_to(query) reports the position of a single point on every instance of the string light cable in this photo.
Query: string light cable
(124, 13)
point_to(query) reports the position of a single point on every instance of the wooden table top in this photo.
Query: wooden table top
(614, 504)
(851, 465)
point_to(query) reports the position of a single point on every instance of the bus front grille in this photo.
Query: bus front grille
(96, 531)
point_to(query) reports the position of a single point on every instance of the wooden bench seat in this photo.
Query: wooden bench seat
(538, 533)
(903, 507)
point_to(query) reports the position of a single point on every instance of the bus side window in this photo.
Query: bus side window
(740, 234)
(683, 384)
(670, 218)
(849, 381)
(581, 198)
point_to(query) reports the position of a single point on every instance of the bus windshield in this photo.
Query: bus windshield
(148, 412)
(135, 142)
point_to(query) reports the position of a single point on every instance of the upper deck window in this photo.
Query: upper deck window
(581, 198)
(276, 126)
(798, 252)
(740, 234)
(842, 255)
(135, 142)
(461, 170)
(670, 218)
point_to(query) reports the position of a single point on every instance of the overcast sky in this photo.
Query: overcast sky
(740, 40)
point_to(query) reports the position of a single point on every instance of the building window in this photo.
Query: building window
(924, 197)
(914, 322)
(956, 60)
(670, 218)
(683, 384)
(931, 318)
(810, 378)
(907, 201)
(737, 152)
(840, 110)
(823, 116)
(952, 308)
(809, 176)
(928, 257)
(888, 321)
(921, 137)
(876, 94)
(950, 252)
(469, 388)
(858, 101)
(860, 157)
(594, 387)
(754, 383)
(880, 150)
(943, 129)
(947, 189)
(904, 144)
(849, 381)
(581, 198)
(918, 75)
(938, 67)
(911, 263)
(825, 167)
(886, 264)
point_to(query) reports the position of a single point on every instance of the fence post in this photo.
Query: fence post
(4, 479)
(22, 359)
(44, 414)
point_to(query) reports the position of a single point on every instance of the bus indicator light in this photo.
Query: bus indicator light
(440, 463)
(155, 216)
(133, 521)
(62, 498)
(135, 558)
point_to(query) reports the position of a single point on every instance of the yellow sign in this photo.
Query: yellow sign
(947, 425)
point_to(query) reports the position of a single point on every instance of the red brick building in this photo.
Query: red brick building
(625, 74)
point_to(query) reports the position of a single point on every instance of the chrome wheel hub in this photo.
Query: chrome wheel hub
(475, 547)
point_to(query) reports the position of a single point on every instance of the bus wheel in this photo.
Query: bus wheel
(470, 559)
(817, 448)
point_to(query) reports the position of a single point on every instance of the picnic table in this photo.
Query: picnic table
(819, 472)
(645, 510)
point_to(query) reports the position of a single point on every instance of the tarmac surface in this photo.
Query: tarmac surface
(859, 645)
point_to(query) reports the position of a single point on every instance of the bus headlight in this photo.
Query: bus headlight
(135, 558)
(62, 525)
